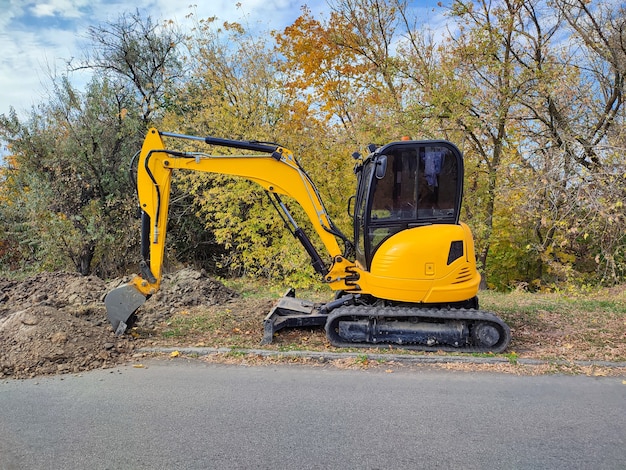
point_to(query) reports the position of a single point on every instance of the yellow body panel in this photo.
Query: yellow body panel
(412, 266)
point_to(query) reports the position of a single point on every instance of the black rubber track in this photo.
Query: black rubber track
(471, 318)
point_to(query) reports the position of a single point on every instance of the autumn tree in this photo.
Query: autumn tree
(72, 154)
(532, 91)
(138, 53)
(571, 113)
(347, 69)
(320, 76)
(369, 30)
(234, 92)
(69, 177)
(11, 255)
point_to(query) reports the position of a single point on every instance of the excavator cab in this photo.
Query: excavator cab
(404, 185)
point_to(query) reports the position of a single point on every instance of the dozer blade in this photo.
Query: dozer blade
(121, 303)
(290, 312)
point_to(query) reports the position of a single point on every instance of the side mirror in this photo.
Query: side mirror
(381, 167)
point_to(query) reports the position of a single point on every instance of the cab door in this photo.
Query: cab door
(361, 212)
(422, 184)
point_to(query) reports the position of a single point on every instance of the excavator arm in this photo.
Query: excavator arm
(273, 167)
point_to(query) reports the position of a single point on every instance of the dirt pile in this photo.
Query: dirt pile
(56, 322)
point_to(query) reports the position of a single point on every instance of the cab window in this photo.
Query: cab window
(420, 186)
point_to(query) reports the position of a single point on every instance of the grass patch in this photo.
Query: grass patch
(512, 357)
(184, 323)
(550, 327)
(563, 325)
(261, 289)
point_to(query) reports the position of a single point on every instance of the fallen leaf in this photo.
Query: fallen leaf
(174, 354)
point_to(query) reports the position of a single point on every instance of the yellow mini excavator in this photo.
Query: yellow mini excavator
(406, 279)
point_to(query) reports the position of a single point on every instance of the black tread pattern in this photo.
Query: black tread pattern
(411, 314)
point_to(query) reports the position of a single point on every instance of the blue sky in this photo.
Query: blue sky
(37, 36)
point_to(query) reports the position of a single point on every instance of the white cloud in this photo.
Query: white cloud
(62, 8)
(42, 10)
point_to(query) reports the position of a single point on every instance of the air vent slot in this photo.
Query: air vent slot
(464, 275)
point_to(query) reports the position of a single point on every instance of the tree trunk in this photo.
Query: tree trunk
(86, 257)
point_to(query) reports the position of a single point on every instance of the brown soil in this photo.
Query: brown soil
(56, 322)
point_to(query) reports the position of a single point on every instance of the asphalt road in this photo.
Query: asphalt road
(184, 414)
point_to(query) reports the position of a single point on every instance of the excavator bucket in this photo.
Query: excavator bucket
(121, 303)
